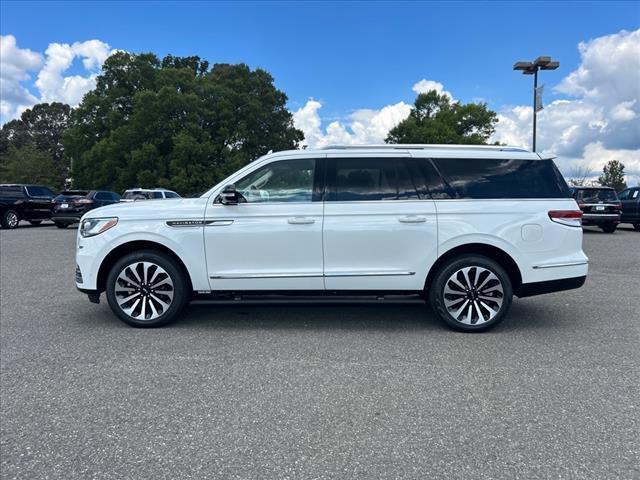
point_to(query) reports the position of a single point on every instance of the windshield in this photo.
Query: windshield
(596, 195)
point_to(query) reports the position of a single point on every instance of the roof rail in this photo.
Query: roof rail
(426, 146)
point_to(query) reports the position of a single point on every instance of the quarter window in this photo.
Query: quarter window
(283, 181)
(497, 178)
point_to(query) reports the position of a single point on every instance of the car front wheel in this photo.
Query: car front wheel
(10, 219)
(609, 228)
(636, 226)
(146, 289)
(471, 293)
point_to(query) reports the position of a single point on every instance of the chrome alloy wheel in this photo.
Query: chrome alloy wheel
(473, 295)
(12, 220)
(144, 290)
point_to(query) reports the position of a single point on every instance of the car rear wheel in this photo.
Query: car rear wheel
(471, 293)
(146, 289)
(10, 219)
(35, 222)
(609, 228)
(636, 226)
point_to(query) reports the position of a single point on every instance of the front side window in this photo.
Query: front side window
(372, 179)
(502, 178)
(283, 181)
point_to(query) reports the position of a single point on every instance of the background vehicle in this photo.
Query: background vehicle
(70, 205)
(134, 194)
(443, 223)
(600, 207)
(630, 200)
(24, 202)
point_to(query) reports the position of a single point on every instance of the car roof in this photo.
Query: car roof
(422, 150)
(592, 188)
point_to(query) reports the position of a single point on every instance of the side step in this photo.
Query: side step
(257, 297)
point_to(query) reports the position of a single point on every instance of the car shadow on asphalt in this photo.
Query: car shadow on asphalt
(351, 317)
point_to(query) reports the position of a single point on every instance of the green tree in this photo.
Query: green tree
(434, 118)
(175, 123)
(28, 164)
(613, 176)
(41, 128)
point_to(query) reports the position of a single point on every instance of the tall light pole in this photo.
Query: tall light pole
(531, 68)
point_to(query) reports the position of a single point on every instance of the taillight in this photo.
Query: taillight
(617, 206)
(581, 205)
(83, 201)
(571, 218)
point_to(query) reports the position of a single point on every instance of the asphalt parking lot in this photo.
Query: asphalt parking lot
(317, 391)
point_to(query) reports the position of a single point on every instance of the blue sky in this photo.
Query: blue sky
(348, 55)
(360, 61)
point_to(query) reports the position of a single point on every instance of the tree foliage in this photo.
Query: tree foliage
(613, 176)
(175, 123)
(434, 118)
(36, 140)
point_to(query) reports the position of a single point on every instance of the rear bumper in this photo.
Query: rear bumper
(67, 217)
(600, 218)
(550, 286)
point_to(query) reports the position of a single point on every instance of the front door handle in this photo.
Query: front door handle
(412, 219)
(301, 220)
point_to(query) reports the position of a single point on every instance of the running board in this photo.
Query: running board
(306, 297)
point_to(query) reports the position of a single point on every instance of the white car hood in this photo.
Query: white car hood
(151, 209)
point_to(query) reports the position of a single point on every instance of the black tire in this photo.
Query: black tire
(636, 227)
(10, 219)
(609, 227)
(445, 306)
(35, 222)
(148, 297)
(61, 224)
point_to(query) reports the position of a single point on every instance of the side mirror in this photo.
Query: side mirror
(229, 195)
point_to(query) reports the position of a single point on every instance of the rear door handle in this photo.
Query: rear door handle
(301, 220)
(412, 219)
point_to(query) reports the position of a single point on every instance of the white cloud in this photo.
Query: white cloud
(52, 84)
(424, 85)
(364, 126)
(600, 120)
(15, 65)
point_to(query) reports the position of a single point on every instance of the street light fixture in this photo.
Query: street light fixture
(531, 68)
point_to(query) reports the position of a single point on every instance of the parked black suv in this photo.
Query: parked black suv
(600, 207)
(70, 205)
(24, 202)
(630, 199)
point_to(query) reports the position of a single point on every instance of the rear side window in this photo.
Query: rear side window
(372, 179)
(171, 195)
(502, 178)
(36, 191)
(103, 196)
(11, 192)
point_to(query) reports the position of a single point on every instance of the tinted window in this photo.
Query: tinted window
(40, 191)
(497, 178)
(171, 195)
(427, 179)
(370, 179)
(596, 195)
(103, 196)
(284, 181)
(11, 192)
(114, 196)
(624, 194)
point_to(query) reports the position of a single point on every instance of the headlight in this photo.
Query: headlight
(96, 226)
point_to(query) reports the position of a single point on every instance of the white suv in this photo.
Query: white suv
(466, 227)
